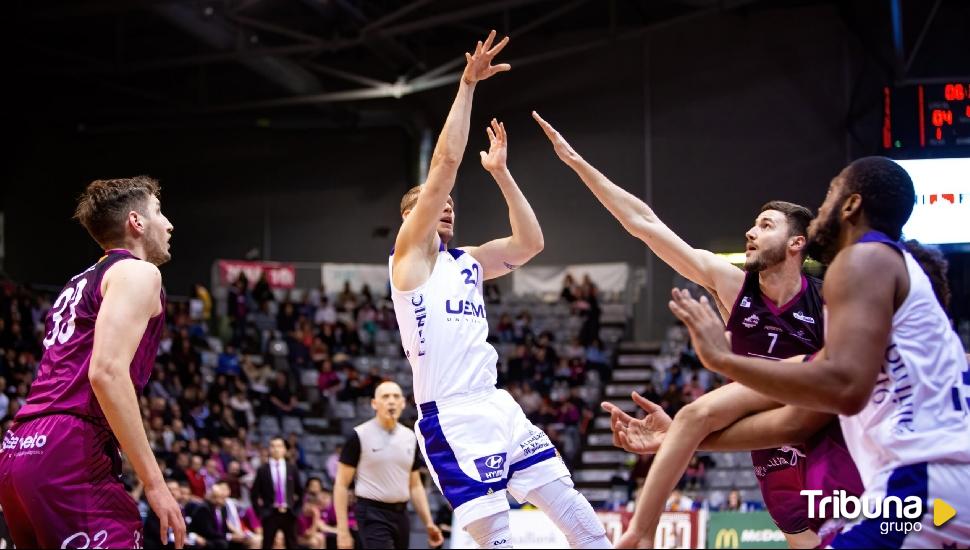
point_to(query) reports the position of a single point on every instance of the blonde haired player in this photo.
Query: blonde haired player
(475, 439)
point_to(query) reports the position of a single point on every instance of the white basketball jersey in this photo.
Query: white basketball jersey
(444, 329)
(918, 411)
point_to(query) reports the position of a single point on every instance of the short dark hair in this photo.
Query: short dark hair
(935, 266)
(797, 215)
(104, 205)
(285, 444)
(410, 199)
(887, 193)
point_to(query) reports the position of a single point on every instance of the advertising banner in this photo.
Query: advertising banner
(738, 530)
(279, 275)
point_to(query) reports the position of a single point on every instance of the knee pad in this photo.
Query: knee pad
(571, 512)
(491, 531)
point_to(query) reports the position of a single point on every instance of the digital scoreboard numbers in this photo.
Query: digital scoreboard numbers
(927, 120)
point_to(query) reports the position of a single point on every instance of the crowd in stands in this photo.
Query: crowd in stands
(217, 375)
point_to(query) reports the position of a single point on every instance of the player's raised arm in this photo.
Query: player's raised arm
(500, 256)
(700, 266)
(131, 297)
(418, 229)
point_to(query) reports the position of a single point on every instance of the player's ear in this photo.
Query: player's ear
(373, 404)
(797, 242)
(134, 219)
(851, 206)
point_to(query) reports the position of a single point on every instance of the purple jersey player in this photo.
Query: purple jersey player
(772, 273)
(760, 328)
(60, 463)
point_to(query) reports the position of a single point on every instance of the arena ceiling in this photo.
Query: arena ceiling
(111, 59)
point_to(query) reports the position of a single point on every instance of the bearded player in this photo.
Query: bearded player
(893, 369)
(773, 311)
(476, 440)
(60, 465)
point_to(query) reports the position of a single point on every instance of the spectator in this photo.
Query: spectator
(195, 477)
(692, 390)
(262, 292)
(207, 521)
(281, 398)
(679, 502)
(672, 400)
(694, 475)
(570, 290)
(735, 504)
(326, 314)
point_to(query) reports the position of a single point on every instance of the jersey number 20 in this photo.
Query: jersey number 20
(67, 301)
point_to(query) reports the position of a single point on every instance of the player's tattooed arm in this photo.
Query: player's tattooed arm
(510, 267)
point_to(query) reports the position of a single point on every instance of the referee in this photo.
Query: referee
(385, 457)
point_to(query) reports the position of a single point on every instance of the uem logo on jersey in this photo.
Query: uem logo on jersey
(465, 307)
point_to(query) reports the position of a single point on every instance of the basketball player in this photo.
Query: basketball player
(776, 313)
(475, 439)
(892, 368)
(825, 467)
(60, 465)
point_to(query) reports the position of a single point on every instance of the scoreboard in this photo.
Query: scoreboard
(927, 120)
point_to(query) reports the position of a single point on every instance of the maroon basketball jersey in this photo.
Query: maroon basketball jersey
(759, 328)
(62, 383)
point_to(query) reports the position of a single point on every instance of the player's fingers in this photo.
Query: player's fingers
(163, 528)
(679, 311)
(498, 47)
(501, 68)
(621, 416)
(489, 40)
(625, 442)
(491, 135)
(645, 403)
(478, 48)
(504, 135)
(546, 128)
(468, 57)
(484, 155)
(727, 336)
(180, 531)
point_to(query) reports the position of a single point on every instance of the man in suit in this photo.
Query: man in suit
(276, 495)
(208, 521)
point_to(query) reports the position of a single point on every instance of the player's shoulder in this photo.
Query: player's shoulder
(868, 260)
(134, 273)
(872, 266)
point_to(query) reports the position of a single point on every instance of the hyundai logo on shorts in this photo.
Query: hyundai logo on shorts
(495, 461)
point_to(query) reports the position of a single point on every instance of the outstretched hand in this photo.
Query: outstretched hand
(565, 151)
(497, 154)
(705, 326)
(638, 435)
(479, 64)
